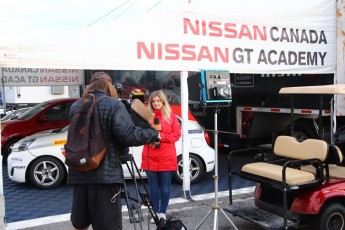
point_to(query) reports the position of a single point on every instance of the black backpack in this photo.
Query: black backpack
(170, 225)
(85, 147)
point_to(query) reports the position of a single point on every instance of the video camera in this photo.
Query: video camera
(138, 112)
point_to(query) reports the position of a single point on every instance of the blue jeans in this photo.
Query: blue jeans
(159, 186)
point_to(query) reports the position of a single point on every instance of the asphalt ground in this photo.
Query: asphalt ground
(31, 208)
(191, 213)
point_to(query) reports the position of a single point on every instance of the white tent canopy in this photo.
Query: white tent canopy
(247, 36)
(268, 36)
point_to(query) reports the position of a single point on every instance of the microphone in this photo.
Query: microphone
(158, 126)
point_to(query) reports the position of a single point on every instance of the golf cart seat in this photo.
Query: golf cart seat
(332, 168)
(286, 172)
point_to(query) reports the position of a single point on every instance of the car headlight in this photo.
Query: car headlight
(23, 145)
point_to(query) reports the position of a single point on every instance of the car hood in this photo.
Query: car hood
(41, 134)
(47, 139)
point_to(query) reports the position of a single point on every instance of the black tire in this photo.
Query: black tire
(303, 129)
(7, 148)
(331, 217)
(196, 169)
(46, 172)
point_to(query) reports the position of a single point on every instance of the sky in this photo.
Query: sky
(25, 19)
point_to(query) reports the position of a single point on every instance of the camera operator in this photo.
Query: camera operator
(96, 194)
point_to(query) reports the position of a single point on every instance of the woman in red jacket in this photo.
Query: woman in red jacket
(159, 160)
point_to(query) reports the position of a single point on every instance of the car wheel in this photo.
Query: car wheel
(8, 148)
(196, 169)
(46, 172)
(331, 217)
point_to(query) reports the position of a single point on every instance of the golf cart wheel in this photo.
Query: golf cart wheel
(196, 169)
(46, 172)
(331, 217)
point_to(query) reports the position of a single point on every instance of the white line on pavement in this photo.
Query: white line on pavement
(66, 217)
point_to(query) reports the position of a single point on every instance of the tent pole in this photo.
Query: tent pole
(185, 148)
(2, 197)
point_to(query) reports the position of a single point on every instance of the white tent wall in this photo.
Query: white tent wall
(247, 36)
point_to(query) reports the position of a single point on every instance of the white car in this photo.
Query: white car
(39, 158)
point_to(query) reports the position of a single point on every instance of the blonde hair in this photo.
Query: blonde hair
(100, 81)
(166, 109)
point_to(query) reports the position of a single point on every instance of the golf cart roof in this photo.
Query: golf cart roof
(319, 89)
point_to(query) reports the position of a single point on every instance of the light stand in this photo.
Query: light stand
(216, 207)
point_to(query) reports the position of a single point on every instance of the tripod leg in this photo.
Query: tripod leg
(216, 206)
(142, 198)
(203, 220)
(136, 189)
(215, 220)
(138, 208)
(145, 197)
(134, 211)
(130, 212)
(232, 224)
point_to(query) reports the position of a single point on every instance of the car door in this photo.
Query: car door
(55, 116)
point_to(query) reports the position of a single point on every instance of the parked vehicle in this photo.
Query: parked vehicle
(302, 184)
(39, 159)
(256, 119)
(14, 114)
(47, 115)
(258, 113)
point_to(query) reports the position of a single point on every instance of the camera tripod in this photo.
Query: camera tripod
(141, 197)
(216, 207)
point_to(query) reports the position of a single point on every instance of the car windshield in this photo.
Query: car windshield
(15, 114)
(34, 110)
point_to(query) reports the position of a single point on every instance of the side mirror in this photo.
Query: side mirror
(43, 118)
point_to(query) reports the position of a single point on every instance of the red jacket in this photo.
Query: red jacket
(163, 158)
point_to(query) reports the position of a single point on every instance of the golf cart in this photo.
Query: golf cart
(300, 183)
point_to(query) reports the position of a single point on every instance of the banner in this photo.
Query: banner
(246, 36)
(41, 77)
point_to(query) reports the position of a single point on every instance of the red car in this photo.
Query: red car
(47, 115)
